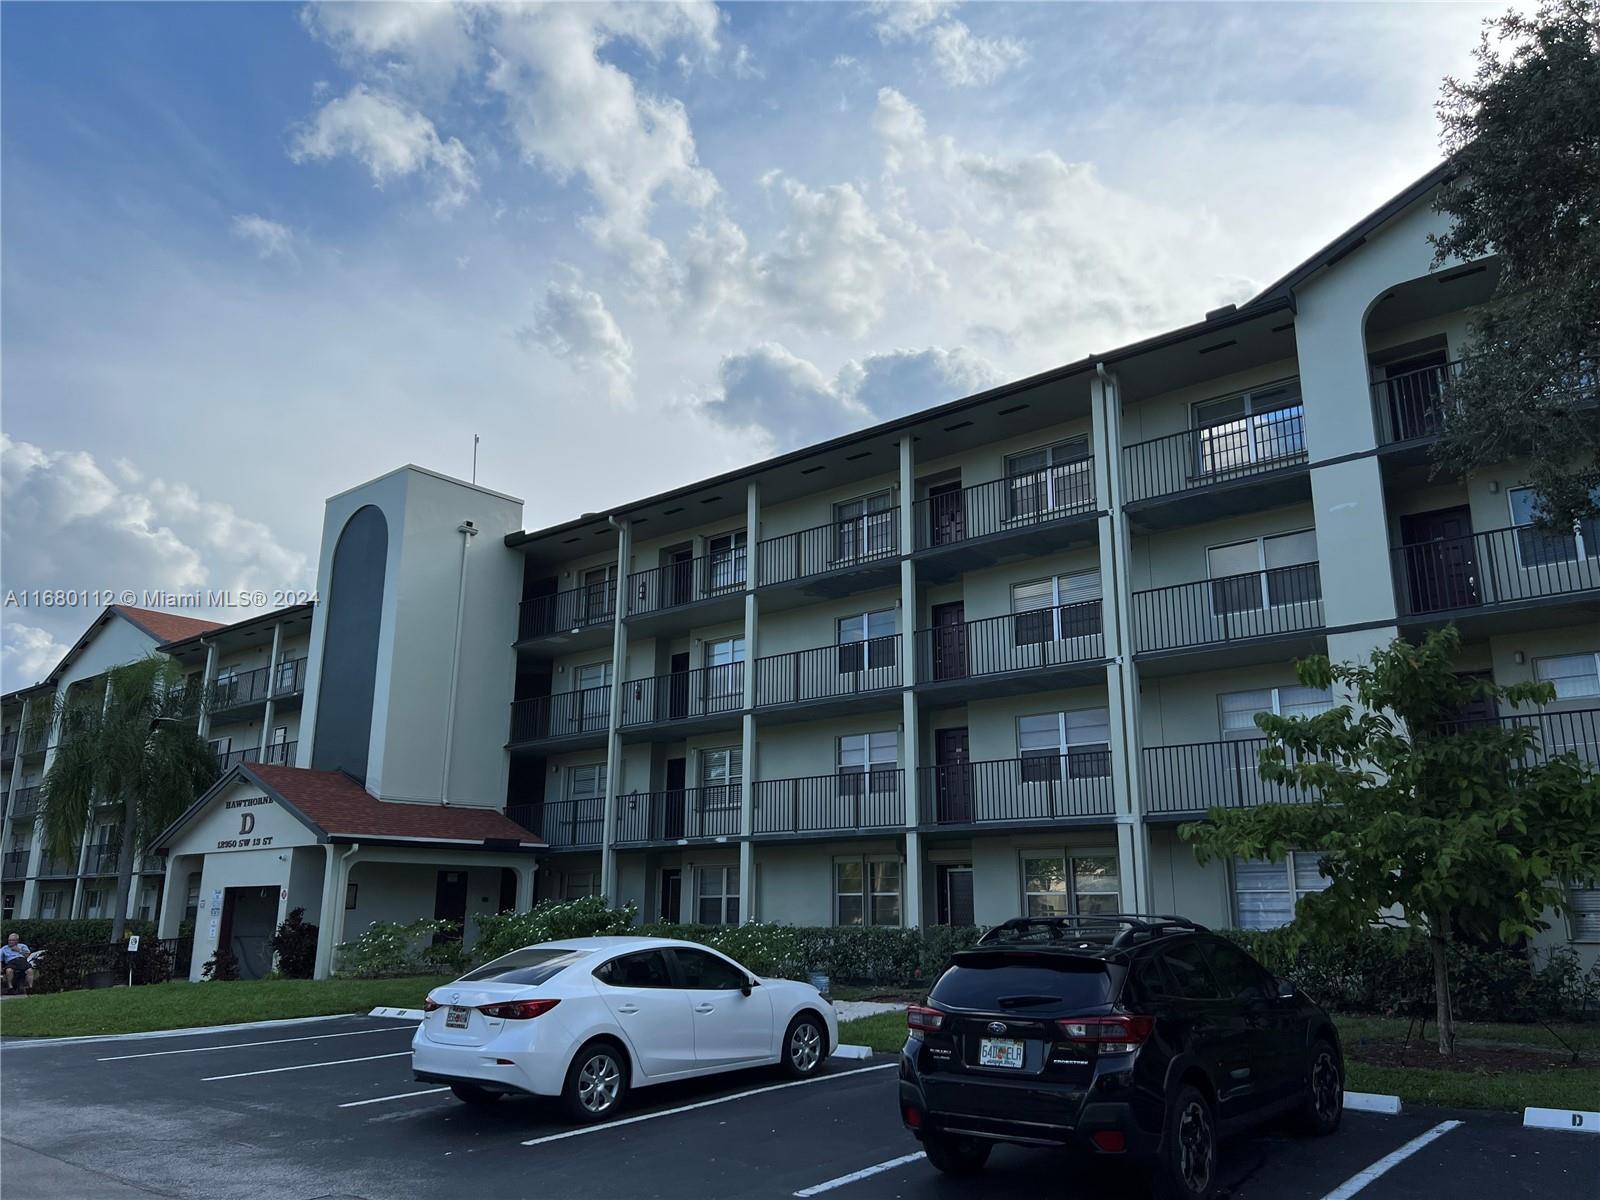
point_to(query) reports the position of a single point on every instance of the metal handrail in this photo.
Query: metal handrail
(1495, 567)
(1412, 405)
(681, 695)
(1025, 641)
(838, 545)
(1029, 788)
(1021, 501)
(677, 814)
(1251, 444)
(828, 672)
(1228, 608)
(844, 800)
(676, 584)
(571, 610)
(562, 714)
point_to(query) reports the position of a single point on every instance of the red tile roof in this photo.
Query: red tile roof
(339, 805)
(165, 626)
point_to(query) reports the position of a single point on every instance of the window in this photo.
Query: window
(94, 903)
(1238, 710)
(191, 897)
(1583, 914)
(1051, 610)
(1537, 548)
(725, 561)
(646, 970)
(1241, 431)
(705, 972)
(1048, 480)
(289, 676)
(1190, 973)
(1071, 745)
(1574, 675)
(50, 904)
(724, 686)
(721, 778)
(716, 891)
(575, 885)
(865, 528)
(591, 676)
(1237, 975)
(1265, 893)
(599, 599)
(866, 891)
(593, 701)
(867, 641)
(1264, 572)
(1061, 884)
(867, 762)
(579, 823)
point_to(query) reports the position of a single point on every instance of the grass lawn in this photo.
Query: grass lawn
(180, 1005)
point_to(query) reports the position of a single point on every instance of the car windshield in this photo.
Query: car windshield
(1041, 983)
(534, 965)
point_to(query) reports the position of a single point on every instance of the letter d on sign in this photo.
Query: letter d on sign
(247, 823)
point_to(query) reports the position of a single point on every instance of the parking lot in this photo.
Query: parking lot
(329, 1109)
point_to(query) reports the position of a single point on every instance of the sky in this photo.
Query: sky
(255, 254)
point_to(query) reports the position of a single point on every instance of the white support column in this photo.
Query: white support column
(619, 669)
(526, 878)
(272, 690)
(25, 900)
(330, 898)
(910, 732)
(169, 911)
(207, 679)
(747, 795)
(36, 852)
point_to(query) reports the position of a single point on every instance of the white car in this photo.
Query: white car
(588, 1018)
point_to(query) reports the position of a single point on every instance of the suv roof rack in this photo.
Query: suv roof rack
(1113, 930)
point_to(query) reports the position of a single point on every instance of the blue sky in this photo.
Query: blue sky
(254, 254)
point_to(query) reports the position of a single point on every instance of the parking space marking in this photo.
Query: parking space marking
(864, 1173)
(386, 1099)
(244, 1045)
(1360, 1179)
(337, 1062)
(683, 1108)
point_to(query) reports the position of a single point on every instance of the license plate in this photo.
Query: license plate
(456, 1017)
(1000, 1052)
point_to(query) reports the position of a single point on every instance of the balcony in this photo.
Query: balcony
(280, 754)
(576, 618)
(25, 802)
(1257, 461)
(8, 745)
(56, 868)
(102, 860)
(845, 802)
(14, 865)
(1191, 779)
(692, 701)
(1574, 731)
(1275, 613)
(714, 584)
(1036, 789)
(564, 824)
(842, 557)
(1020, 652)
(679, 815)
(574, 719)
(1409, 408)
(287, 679)
(1020, 516)
(1478, 579)
(829, 679)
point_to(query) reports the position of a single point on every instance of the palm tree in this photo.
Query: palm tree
(134, 745)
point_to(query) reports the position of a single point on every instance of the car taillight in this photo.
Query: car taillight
(929, 1020)
(518, 1010)
(1117, 1033)
(429, 1004)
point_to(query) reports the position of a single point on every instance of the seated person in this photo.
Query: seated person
(14, 954)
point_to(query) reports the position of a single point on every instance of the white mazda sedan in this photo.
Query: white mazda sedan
(588, 1018)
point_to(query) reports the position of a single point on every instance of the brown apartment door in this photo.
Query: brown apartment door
(672, 819)
(679, 581)
(949, 641)
(1414, 387)
(946, 517)
(1441, 568)
(952, 776)
(678, 688)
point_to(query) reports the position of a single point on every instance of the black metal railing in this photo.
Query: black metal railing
(1016, 502)
(1498, 566)
(678, 583)
(823, 803)
(564, 824)
(682, 695)
(829, 672)
(1196, 458)
(574, 609)
(51, 867)
(1412, 405)
(25, 802)
(278, 754)
(250, 687)
(1573, 731)
(8, 744)
(1025, 641)
(1031, 788)
(1213, 611)
(102, 859)
(564, 714)
(838, 545)
(1204, 775)
(15, 864)
(679, 813)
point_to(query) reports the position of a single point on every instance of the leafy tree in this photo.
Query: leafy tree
(133, 748)
(1523, 137)
(1453, 824)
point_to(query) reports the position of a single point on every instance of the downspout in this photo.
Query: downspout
(619, 651)
(467, 532)
(341, 875)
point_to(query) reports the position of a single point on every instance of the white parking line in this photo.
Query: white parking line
(338, 1062)
(386, 1099)
(243, 1045)
(1361, 1178)
(864, 1173)
(668, 1112)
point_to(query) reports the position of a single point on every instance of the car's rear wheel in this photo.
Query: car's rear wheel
(596, 1083)
(1323, 1107)
(468, 1094)
(956, 1155)
(1187, 1166)
(805, 1046)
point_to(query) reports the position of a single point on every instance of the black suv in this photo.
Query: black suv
(1144, 1037)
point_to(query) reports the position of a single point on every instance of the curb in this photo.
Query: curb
(1372, 1102)
(402, 1014)
(1571, 1120)
(13, 1042)
(848, 1051)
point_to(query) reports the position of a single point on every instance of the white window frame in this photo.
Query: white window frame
(593, 706)
(1262, 570)
(1064, 744)
(1275, 697)
(1583, 914)
(866, 527)
(599, 595)
(726, 897)
(873, 768)
(724, 672)
(727, 561)
(729, 790)
(1581, 550)
(1291, 886)
(1245, 421)
(1067, 474)
(880, 650)
(1071, 893)
(868, 894)
(1592, 655)
(1056, 602)
(575, 885)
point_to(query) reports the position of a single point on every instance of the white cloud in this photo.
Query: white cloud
(962, 58)
(28, 653)
(574, 324)
(269, 237)
(900, 19)
(390, 140)
(427, 44)
(744, 65)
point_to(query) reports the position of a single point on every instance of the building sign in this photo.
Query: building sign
(247, 838)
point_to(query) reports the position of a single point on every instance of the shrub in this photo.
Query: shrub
(548, 921)
(222, 966)
(295, 944)
(75, 950)
(873, 955)
(392, 948)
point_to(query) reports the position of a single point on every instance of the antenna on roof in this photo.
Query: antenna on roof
(474, 458)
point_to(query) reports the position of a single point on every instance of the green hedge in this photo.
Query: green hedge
(77, 950)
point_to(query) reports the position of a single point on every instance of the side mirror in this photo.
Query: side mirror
(749, 986)
(1286, 989)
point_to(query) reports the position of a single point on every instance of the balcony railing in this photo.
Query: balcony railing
(569, 611)
(829, 672)
(1004, 505)
(1410, 406)
(1032, 788)
(683, 695)
(15, 865)
(25, 802)
(836, 546)
(56, 868)
(564, 714)
(1025, 641)
(679, 813)
(826, 803)
(280, 754)
(1573, 731)
(102, 860)
(1210, 612)
(1497, 567)
(676, 584)
(1197, 458)
(564, 824)
(8, 744)
(1204, 775)
(251, 687)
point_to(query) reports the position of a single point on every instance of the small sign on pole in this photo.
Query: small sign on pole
(133, 943)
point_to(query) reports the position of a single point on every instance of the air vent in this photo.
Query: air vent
(1219, 346)
(672, 512)
(570, 541)
(958, 425)
(711, 499)
(1006, 412)
(811, 470)
(1282, 328)
(858, 457)
(1452, 276)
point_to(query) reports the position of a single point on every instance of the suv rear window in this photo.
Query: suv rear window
(1020, 982)
(531, 966)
